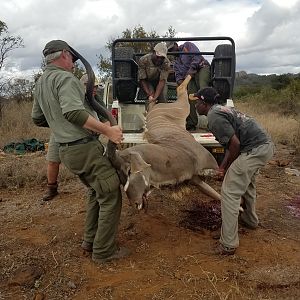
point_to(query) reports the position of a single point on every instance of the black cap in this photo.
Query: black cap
(208, 95)
(58, 45)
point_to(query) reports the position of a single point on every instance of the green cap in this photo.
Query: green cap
(58, 45)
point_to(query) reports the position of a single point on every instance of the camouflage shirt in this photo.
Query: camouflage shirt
(147, 70)
(225, 121)
(57, 92)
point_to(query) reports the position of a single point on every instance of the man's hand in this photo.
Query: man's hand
(152, 99)
(193, 98)
(220, 173)
(114, 133)
(192, 72)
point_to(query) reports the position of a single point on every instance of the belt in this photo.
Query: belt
(80, 141)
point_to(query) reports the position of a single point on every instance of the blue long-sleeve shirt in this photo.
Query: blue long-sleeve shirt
(188, 64)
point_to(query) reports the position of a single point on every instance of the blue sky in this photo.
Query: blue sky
(265, 32)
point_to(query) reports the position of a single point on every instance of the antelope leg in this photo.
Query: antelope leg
(206, 189)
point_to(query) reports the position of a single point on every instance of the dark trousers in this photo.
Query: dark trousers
(200, 80)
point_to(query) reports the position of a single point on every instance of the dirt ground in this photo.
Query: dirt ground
(172, 257)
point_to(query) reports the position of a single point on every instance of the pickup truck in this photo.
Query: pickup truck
(126, 100)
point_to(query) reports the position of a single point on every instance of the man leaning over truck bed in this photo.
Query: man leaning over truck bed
(153, 73)
(248, 148)
(196, 66)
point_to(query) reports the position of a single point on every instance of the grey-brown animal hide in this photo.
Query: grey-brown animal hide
(171, 156)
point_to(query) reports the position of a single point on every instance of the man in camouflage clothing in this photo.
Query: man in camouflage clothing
(153, 73)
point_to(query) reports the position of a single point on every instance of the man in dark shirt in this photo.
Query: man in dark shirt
(248, 148)
(196, 66)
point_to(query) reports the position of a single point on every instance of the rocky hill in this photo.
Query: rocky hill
(253, 83)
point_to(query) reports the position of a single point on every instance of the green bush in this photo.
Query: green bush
(285, 101)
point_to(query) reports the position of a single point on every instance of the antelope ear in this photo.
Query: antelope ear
(137, 164)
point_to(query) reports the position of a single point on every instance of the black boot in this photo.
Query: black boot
(51, 191)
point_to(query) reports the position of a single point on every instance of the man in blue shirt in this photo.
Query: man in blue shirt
(190, 64)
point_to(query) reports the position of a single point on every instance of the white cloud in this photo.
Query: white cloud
(265, 31)
(285, 3)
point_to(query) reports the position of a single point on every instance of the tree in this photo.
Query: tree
(78, 70)
(8, 43)
(104, 65)
(20, 90)
(281, 81)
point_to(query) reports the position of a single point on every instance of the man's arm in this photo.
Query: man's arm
(159, 88)
(194, 60)
(178, 69)
(83, 119)
(142, 76)
(114, 133)
(232, 152)
(37, 115)
(40, 122)
(145, 87)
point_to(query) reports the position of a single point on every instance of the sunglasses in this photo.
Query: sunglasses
(73, 58)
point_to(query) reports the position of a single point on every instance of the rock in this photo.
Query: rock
(290, 171)
(282, 162)
(26, 276)
(71, 285)
(276, 276)
(39, 296)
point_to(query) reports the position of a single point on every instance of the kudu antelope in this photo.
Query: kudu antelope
(171, 155)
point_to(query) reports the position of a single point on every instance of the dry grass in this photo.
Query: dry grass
(17, 171)
(27, 170)
(16, 124)
(284, 129)
(23, 170)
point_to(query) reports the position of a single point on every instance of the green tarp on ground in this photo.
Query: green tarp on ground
(30, 145)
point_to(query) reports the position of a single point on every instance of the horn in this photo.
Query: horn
(89, 90)
(111, 147)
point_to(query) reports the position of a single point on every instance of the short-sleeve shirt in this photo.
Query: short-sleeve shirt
(57, 92)
(147, 70)
(225, 121)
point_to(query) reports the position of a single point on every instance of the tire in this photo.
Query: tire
(125, 89)
(223, 71)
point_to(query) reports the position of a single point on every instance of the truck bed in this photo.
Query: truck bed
(204, 138)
